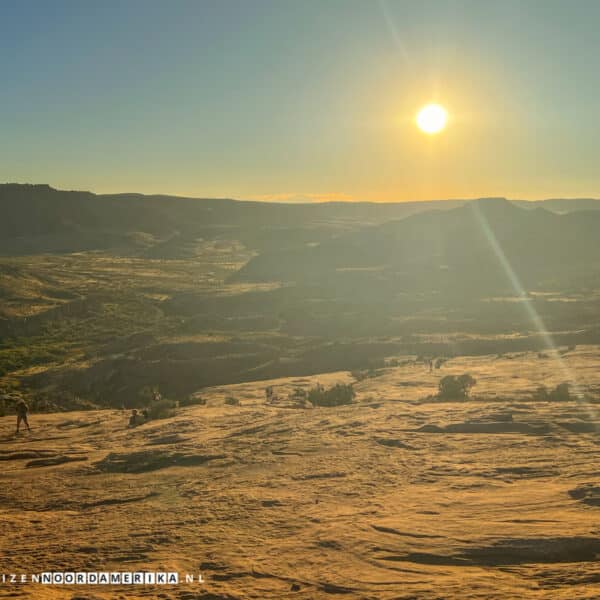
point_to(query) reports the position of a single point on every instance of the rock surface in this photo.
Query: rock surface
(392, 497)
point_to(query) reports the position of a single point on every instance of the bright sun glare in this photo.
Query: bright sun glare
(432, 118)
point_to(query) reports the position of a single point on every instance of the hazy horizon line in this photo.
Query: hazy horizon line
(298, 198)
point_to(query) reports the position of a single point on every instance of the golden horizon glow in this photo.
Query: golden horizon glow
(432, 118)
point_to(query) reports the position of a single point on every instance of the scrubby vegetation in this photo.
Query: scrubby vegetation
(192, 401)
(455, 387)
(560, 393)
(337, 395)
(161, 409)
(179, 311)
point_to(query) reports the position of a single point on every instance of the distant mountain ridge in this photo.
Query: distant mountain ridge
(484, 246)
(38, 218)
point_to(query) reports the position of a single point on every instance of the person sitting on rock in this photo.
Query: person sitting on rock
(135, 419)
(22, 410)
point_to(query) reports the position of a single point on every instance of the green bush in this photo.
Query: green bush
(561, 393)
(335, 396)
(455, 387)
(161, 409)
(231, 401)
(192, 401)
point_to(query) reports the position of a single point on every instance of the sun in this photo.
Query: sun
(432, 118)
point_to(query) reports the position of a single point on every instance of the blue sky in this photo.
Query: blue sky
(301, 99)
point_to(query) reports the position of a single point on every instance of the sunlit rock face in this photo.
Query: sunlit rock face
(398, 494)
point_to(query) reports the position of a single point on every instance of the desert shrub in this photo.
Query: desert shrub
(161, 409)
(455, 387)
(192, 401)
(561, 393)
(231, 401)
(335, 396)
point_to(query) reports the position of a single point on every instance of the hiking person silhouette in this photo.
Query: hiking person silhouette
(22, 410)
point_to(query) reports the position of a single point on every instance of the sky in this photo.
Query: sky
(302, 100)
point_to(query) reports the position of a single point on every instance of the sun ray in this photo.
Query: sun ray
(536, 320)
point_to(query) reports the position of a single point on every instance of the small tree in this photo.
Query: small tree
(453, 387)
(561, 393)
(335, 396)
